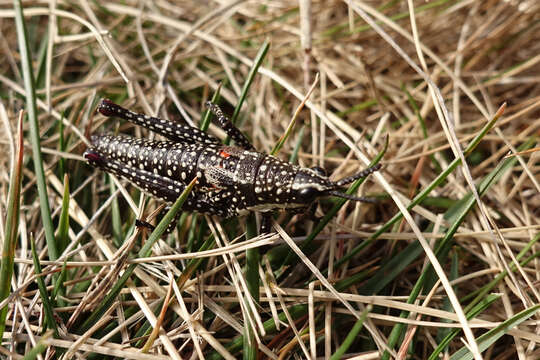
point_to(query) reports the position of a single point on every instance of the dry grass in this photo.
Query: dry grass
(430, 83)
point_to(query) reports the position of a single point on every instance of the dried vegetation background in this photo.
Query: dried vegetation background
(427, 76)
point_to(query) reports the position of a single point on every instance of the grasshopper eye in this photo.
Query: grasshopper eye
(319, 170)
(307, 195)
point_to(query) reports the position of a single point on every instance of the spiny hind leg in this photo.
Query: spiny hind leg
(217, 202)
(169, 129)
(231, 130)
(155, 185)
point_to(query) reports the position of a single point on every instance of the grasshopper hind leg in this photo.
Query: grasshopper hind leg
(167, 128)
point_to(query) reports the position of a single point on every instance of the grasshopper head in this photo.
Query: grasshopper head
(310, 184)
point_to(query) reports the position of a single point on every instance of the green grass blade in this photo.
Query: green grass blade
(298, 145)
(41, 60)
(452, 333)
(190, 229)
(283, 138)
(12, 227)
(63, 240)
(29, 87)
(45, 299)
(63, 224)
(146, 250)
(352, 335)
(207, 116)
(454, 215)
(59, 286)
(392, 269)
(249, 80)
(357, 108)
(489, 338)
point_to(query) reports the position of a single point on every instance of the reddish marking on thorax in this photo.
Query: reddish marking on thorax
(224, 154)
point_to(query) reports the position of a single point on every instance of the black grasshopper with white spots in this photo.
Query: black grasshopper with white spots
(231, 180)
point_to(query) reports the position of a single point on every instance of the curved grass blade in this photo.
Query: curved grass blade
(476, 310)
(29, 87)
(351, 336)
(290, 127)
(249, 80)
(47, 306)
(63, 223)
(207, 115)
(483, 294)
(489, 338)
